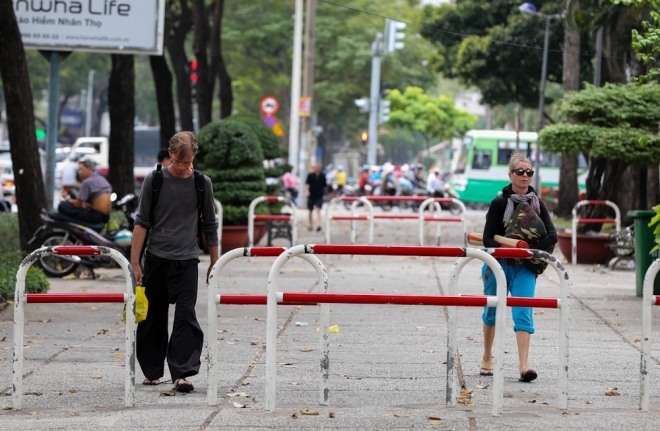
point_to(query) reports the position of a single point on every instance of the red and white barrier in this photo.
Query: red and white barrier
(648, 301)
(420, 216)
(214, 298)
(576, 221)
(563, 303)
(291, 218)
(20, 299)
(374, 250)
(369, 217)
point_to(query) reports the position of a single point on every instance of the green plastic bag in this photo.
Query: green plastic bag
(141, 305)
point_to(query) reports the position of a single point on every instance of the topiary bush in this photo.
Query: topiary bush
(11, 257)
(230, 154)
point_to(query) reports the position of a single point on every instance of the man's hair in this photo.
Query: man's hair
(163, 154)
(89, 164)
(179, 145)
(517, 158)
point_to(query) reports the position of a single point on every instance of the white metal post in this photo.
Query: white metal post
(374, 97)
(294, 126)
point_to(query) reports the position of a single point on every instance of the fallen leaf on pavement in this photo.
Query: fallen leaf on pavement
(34, 412)
(294, 415)
(612, 394)
(237, 394)
(589, 402)
(331, 414)
(433, 418)
(481, 386)
(435, 422)
(306, 349)
(95, 308)
(118, 355)
(73, 414)
(309, 412)
(239, 405)
(72, 391)
(529, 401)
(96, 377)
(167, 394)
(7, 408)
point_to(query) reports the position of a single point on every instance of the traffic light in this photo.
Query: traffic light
(363, 105)
(384, 111)
(393, 35)
(364, 137)
(193, 71)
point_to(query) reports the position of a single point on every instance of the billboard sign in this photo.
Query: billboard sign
(113, 26)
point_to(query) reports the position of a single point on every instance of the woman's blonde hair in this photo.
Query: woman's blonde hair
(517, 158)
(179, 145)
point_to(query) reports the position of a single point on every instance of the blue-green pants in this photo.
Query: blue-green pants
(521, 282)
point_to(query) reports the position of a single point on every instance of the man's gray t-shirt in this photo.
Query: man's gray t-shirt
(174, 233)
(93, 186)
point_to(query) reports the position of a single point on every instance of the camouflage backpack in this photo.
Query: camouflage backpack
(528, 226)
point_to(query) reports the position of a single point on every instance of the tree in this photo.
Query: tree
(647, 42)
(179, 23)
(617, 126)
(30, 193)
(479, 43)
(432, 118)
(121, 106)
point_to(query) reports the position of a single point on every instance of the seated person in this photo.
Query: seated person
(93, 204)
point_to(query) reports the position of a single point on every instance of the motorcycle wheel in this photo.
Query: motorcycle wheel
(454, 209)
(54, 266)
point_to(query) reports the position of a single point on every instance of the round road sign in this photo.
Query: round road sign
(269, 105)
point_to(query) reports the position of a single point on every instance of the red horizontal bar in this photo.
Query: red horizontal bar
(272, 198)
(254, 300)
(389, 250)
(60, 298)
(512, 253)
(514, 301)
(282, 217)
(265, 251)
(596, 220)
(416, 216)
(657, 300)
(354, 298)
(356, 217)
(596, 202)
(76, 250)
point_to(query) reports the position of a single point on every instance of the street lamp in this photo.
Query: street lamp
(529, 11)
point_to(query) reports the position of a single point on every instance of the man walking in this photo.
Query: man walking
(315, 189)
(170, 265)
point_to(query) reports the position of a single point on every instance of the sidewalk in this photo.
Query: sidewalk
(387, 363)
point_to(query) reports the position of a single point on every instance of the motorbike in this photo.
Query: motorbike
(59, 229)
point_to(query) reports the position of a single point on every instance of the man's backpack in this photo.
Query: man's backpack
(156, 184)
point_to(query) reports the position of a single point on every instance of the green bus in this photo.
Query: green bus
(482, 164)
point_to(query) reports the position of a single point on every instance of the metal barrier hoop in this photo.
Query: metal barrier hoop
(353, 217)
(648, 301)
(212, 314)
(20, 298)
(498, 373)
(575, 221)
(271, 320)
(251, 216)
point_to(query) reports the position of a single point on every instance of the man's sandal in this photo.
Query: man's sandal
(181, 385)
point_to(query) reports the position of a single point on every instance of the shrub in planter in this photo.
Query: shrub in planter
(230, 154)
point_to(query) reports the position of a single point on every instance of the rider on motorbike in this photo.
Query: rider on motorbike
(93, 203)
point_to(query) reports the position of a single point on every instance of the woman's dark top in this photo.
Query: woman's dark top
(495, 223)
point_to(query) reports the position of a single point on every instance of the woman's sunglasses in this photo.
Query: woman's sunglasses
(520, 172)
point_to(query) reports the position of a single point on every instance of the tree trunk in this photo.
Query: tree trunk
(653, 186)
(30, 193)
(176, 49)
(568, 184)
(218, 65)
(121, 105)
(164, 98)
(206, 79)
(631, 201)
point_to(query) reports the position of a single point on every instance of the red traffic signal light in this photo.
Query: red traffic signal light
(364, 136)
(193, 70)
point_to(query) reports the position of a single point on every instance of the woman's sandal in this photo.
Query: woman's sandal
(528, 376)
(148, 382)
(181, 385)
(486, 371)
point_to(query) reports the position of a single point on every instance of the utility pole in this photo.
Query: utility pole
(294, 123)
(374, 98)
(306, 138)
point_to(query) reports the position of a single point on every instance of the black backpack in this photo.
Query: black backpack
(157, 182)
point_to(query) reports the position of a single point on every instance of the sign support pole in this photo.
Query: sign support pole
(51, 130)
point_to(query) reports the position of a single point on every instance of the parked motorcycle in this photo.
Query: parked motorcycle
(59, 229)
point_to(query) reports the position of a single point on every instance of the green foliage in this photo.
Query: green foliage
(270, 145)
(11, 258)
(647, 43)
(432, 117)
(616, 122)
(655, 221)
(231, 151)
(498, 37)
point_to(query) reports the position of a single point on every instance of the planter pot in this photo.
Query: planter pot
(591, 249)
(237, 236)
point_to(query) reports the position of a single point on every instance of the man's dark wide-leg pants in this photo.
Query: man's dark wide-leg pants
(170, 282)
